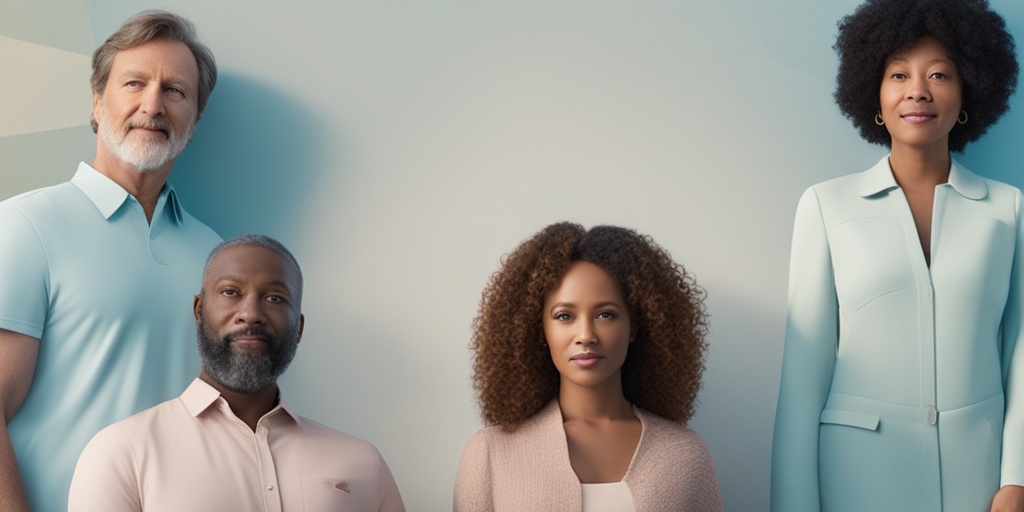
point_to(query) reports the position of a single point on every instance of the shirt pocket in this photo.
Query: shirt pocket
(325, 493)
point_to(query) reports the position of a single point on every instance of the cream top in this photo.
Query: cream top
(608, 497)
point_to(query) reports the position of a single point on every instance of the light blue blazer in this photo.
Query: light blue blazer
(900, 387)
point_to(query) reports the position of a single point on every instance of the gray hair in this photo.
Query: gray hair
(256, 240)
(155, 25)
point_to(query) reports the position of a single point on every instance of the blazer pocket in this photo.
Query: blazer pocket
(850, 419)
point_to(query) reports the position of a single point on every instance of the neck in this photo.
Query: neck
(248, 407)
(914, 166)
(144, 186)
(593, 403)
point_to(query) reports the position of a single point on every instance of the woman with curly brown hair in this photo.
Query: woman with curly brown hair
(901, 388)
(588, 353)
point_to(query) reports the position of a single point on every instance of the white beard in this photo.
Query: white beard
(143, 155)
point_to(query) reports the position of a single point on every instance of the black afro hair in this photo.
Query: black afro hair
(975, 38)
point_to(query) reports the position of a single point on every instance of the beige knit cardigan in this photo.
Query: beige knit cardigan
(529, 469)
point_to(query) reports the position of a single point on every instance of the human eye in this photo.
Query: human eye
(229, 292)
(276, 299)
(898, 76)
(133, 83)
(939, 75)
(175, 90)
(562, 316)
(606, 315)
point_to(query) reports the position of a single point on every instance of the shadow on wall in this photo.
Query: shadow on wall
(253, 160)
(739, 392)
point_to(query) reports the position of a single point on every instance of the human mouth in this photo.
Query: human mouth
(917, 117)
(586, 359)
(249, 337)
(153, 127)
(248, 342)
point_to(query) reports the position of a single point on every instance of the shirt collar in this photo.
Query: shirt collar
(200, 396)
(880, 179)
(108, 196)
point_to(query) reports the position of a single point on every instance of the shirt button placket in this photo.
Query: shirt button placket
(267, 470)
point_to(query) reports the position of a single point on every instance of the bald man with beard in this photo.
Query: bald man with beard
(230, 442)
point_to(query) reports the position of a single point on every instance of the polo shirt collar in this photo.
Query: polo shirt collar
(200, 396)
(108, 196)
(880, 179)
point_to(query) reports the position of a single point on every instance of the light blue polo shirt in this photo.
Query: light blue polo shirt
(110, 298)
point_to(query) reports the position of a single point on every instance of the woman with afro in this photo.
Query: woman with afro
(587, 355)
(901, 388)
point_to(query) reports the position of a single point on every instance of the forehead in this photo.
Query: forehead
(166, 57)
(252, 264)
(585, 281)
(927, 47)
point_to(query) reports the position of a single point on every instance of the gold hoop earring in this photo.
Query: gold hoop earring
(878, 119)
(962, 118)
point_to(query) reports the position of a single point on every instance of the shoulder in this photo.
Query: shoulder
(41, 196)
(841, 189)
(199, 230)
(536, 439)
(329, 441)
(986, 197)
(1001, 191)
(146, 424)
(314, 429)
(39, 206)
(542, 431)
(672, 469)
(671, 437)
(871, 181)
(493, 439)
(119, 440)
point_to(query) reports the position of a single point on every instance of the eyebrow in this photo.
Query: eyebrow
(602, 304)
(173, 79)
(235, 279)
(904, 59)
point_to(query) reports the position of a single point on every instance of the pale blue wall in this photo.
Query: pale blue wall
(400, 148)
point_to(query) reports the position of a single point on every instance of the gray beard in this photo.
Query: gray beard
(143, 156)
(248, 371)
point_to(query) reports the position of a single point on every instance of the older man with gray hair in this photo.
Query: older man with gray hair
(95, 273)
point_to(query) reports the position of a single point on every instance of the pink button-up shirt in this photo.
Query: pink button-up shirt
(192, 453)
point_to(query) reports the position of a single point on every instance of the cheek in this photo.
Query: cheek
(553, 341)
(217, 314)
(550, 332)
(620, 337)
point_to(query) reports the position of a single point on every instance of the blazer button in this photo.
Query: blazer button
(933, 415)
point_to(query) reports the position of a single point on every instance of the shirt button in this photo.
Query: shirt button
(270, 488)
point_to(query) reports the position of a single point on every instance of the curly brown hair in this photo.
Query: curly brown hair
(513, 374)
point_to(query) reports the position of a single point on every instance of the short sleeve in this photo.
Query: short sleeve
(24, 274)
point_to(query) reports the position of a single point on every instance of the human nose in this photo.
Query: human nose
(585, 333)
(918, 89)
(152, 101)
(250, 311)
